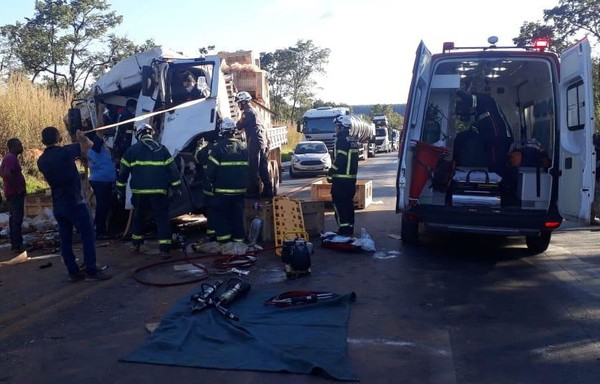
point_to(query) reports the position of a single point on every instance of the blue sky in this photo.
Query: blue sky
(372, 42)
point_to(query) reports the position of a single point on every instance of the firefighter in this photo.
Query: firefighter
(227, 173)
(201, 158)
(258, 159)
(153, 176)
(342, 175)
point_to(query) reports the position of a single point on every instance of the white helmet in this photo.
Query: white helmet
(145, 129)
(242, 96)
(343, 120)
(228, 125)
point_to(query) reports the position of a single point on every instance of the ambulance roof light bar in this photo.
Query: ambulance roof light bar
(540, 44)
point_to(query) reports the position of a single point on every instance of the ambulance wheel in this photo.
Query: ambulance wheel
(538, 244)
(409, 232)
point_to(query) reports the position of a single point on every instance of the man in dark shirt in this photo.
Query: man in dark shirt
(70, 209)
(125, 131)
(256, 136)
(14, 191)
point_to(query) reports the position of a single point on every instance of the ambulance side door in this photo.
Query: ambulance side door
(413, 118)
(576, 126)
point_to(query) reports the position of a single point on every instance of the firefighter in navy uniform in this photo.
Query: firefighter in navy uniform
(153, 175)
(342, 175)
(256, 137)
(227, 172)
(201, 158)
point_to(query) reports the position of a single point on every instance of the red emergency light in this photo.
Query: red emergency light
(541, 43)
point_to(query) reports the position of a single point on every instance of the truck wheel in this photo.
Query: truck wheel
(538, 244)
(409, 232)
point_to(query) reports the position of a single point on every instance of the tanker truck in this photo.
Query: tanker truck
(317, 125)
(153, 78)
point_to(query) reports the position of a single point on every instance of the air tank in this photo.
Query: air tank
(361, 129)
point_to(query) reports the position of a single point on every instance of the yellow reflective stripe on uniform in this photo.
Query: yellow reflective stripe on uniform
(125, 163)
(233, 163)
(120, 184)
(224, 190)
(165, 241)
(151, 163)
(224, 237)
(169, 160)
(343, 152)
(137, 237)
(213, 160)
(149, 191)
(176, 183)
(341, 176)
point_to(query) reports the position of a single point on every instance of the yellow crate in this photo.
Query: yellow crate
(37, 203)
(321, 190)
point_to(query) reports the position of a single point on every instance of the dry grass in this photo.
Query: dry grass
(25, 109)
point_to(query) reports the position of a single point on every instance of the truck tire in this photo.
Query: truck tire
(409, 232)
(538, 244)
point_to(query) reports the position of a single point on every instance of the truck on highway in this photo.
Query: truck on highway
(154, 79)
(382, 134)
(498, 140)
(317, 125)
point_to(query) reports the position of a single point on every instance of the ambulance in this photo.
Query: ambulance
(497, 140)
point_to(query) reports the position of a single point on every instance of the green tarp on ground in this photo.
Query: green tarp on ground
(303, 339)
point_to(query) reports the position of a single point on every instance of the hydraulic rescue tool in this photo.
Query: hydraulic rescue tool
(207, 297)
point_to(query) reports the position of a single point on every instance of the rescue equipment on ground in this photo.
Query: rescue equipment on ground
(235, 288)
(296, 298)
(295, 254)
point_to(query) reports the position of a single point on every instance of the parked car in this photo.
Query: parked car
(310, 158)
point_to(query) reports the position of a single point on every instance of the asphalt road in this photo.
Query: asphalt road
(452, 309)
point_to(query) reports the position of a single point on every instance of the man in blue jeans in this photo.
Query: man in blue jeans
(57, 164)
(14, 191)
(103, 175)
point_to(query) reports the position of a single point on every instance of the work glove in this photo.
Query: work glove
(329, 179)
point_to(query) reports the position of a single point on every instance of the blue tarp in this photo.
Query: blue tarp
(303, 339)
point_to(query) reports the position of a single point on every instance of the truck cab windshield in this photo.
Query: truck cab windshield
(322, 125)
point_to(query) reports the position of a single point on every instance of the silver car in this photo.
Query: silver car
(310, 157)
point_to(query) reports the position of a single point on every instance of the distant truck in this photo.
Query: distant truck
(317, 125)
(153, 78)
(382, 134)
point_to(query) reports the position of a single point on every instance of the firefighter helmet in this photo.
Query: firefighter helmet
(228, 125)
(242, 96)
(343, 120)
(143, 130)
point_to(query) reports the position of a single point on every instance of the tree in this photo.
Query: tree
(562, 23)
(66, 43)
(291, 73)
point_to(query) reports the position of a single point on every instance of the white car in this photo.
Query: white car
(310, 157)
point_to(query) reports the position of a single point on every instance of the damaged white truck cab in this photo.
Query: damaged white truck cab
(155, 78)
(498, 140)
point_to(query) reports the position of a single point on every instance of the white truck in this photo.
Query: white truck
(382, 134)
(498, 140)
(317, 125)
(153, 78)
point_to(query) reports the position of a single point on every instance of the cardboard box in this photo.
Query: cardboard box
(36, 204)
(321, 190)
